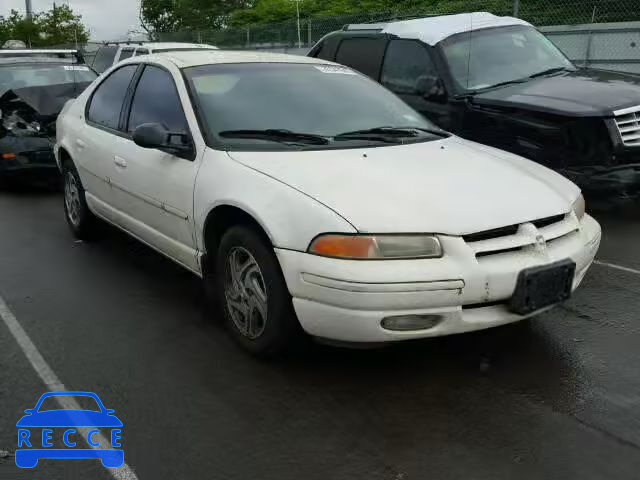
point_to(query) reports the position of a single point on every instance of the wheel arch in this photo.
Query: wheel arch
(219, 219)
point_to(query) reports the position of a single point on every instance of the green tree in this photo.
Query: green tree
(174, 15)
(54, 27)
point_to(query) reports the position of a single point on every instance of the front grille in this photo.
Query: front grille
(628, 123)
(510, 230)
(515, 238)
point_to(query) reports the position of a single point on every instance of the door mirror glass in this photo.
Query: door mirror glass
(431, 88)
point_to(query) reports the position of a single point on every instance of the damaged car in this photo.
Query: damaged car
(34, 86)
(499, 81)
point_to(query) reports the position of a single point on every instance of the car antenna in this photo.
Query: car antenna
(470, 46)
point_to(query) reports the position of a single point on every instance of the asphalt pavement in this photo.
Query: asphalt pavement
(557, 397)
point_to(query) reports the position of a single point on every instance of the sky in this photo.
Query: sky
(106, 19)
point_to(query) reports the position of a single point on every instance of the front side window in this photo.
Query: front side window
(320, 100)
(104, 58)
(107, 100)
(156, 100)
(404, 63)
(485, 58)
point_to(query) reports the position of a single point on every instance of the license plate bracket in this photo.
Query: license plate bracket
(543, 286)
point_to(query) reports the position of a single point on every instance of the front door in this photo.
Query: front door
(153, 189)
(406, 62)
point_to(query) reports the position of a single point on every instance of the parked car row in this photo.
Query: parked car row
(313, 200)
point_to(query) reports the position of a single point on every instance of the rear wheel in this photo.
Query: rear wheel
(82, 222)
(253, 294)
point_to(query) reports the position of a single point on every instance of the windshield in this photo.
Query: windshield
(500, 55)
(320, 100)
(83, 401)
(20, 76)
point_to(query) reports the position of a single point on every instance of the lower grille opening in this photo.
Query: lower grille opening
(496, 252)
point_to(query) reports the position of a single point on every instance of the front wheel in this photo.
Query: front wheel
(252, 291)
(84, 225)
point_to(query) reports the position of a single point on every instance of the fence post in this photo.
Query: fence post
(248, 36)
(309, 33)
(590, 38)
(516, 8)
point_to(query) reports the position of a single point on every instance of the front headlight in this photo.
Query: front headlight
(376, 247)
(579, 207)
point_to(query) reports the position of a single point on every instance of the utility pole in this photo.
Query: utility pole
(29, 8)
(298, 19)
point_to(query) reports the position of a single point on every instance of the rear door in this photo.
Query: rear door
(153, 189)
(96, 137)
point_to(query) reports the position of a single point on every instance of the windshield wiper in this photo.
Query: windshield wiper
(549, 71)
(388, 133)
(501, 84)
(276, 135)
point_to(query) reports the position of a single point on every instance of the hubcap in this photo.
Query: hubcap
(72, 199)
(245, 293)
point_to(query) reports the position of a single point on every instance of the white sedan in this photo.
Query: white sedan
(309, 198)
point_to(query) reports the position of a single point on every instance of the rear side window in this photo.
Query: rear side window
(156, 100)
(104, 58)
(405, 62)
(107, 100)
(142, 51)
(126, 53)
(363, 54)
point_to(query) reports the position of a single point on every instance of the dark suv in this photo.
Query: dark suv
(499, 81)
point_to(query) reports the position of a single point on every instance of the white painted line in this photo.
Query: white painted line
(617, 267)
(53, 383)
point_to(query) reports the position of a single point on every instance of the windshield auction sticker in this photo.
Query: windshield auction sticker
(63, 424)
(335, 69)
(77, 68)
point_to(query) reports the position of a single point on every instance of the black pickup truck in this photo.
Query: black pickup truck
(499, 81)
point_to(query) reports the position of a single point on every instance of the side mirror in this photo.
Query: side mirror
(109, 411)
(29, 411)
(156, 135)
(431, 88)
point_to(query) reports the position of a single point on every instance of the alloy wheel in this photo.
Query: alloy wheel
(245, 293)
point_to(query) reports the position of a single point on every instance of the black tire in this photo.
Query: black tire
(83, 224)
(280, 330)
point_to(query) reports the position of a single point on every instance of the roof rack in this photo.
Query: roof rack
(365, 26)
(126, 42)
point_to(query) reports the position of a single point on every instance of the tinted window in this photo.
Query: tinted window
(104, 58)
(142, 51)
(363, 54)
(156, 101)
(404, 63)
(126, 53)
(107, 100)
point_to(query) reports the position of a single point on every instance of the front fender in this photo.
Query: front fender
(290, 218)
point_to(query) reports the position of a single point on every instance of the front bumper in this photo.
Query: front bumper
(346, 300)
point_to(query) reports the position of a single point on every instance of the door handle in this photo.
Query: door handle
(120, 162)
(80, 144)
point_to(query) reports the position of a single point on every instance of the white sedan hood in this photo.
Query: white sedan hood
(448, 186)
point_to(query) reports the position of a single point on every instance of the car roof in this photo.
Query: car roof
(193, 58)
(432, 30)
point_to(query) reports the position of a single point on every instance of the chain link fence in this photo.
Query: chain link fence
(604, 33)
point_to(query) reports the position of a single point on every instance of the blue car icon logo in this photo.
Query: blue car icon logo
(48, 431)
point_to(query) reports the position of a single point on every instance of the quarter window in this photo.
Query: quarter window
(156, 101)
(404, 63)
(107, 100)
(362, 54)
